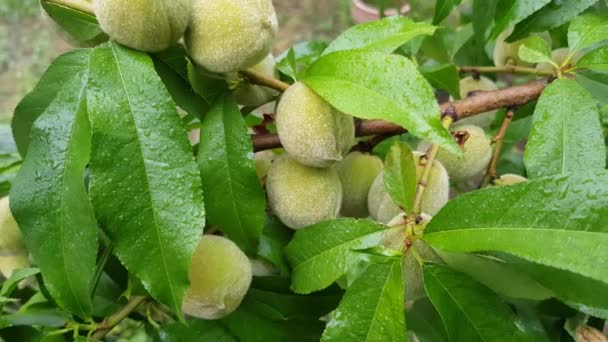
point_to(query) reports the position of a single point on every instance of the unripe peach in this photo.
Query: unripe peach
(311, 130)
(301, 195)
(357, 173)
(231, 35)
(220, 275)
(509, 179)
(468, 85)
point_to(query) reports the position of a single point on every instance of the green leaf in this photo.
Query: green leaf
(482, 16)
(384, 35)
(373, 85)
(595, 60)
(444, 76)
(58, 76)
(372, 308)
(596, 84)
(511, 12)
(145, 185)
(566, 132)
(549, 17)
(539, 220)
(235, 199)
(82, 26)
(11, 283)
(424, 320)
(469, 310)
(172, 67)
(400, 175)
(319, 254)
(295, 61)
(586, 30)
(43, 318)
(272, 243)
(443, 8)
(50, 202)
(199, 330)
(535, 50)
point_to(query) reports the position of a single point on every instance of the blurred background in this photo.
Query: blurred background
(29, 41)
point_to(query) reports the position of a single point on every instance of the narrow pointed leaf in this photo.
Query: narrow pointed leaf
(50, 202)
(373, 85)
(372, 308)
(59, 74)
(400, 175)
(443, 8)
(81, 26)
(541, 221)
(319, 254)
(469, 310)
(595, 60)
(235, 200)
(384, 35)
(145, 185)
(512, 12)
(566, 132)
(587, 30)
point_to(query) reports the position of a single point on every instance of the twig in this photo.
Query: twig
(263, 80)
(498, 140)
(429, 159)
(109, 323)
(480, 103)
(507, 69)
(79, 5)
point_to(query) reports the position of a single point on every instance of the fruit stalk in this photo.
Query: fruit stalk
(111, 321)
(498, 141)
(259, 78)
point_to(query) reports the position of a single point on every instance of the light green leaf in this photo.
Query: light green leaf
(81, 26)
(235, 200)
(372, 308)
(551, 16)
(595, 60)
(512, 12)
(374, 85)
(384, 35)
(319, 254)
(50, 202)
(586, 30)
(145, 185)
(11, 283)
(400, 175)
(535, 50)
(59, 75)
(469, 310)
(566, 132)
(539, 220)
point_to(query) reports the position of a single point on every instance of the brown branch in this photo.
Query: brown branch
(506, 69)
(498, 140)
(79, 5)
(109, 323)
(480, 103)
(260, 79)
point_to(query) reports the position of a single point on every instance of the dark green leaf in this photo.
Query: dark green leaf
(372, 308)
(272, 243)
(80, 25)
(11, 283)
(587, 30)
(540, 220)
(483, 15)
(44, 318)
(384, 35)
(194, 331)
(469, 310)
(235, 199)
(424, 321)
(373, 85)
(595, 60)
(295, 61)
(59, 75)
(443, 8)
(555, 14)
(445, 77)
(511, 12)
(400, 175)
(535, 50)
(319, 254)
(566, 132)
(172, 67)
(145, 185)
(596, 84)
(50, 202)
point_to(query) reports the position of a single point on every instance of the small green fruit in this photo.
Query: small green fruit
(10, 235)
(383, 209)
(312, 131)
(253, 95)
(301, 195)
(231, 35)
(357, 173)
(470, 84)
(507, 53)
(146, 25)
(477, 153)
(220, 275)
(509, 179)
